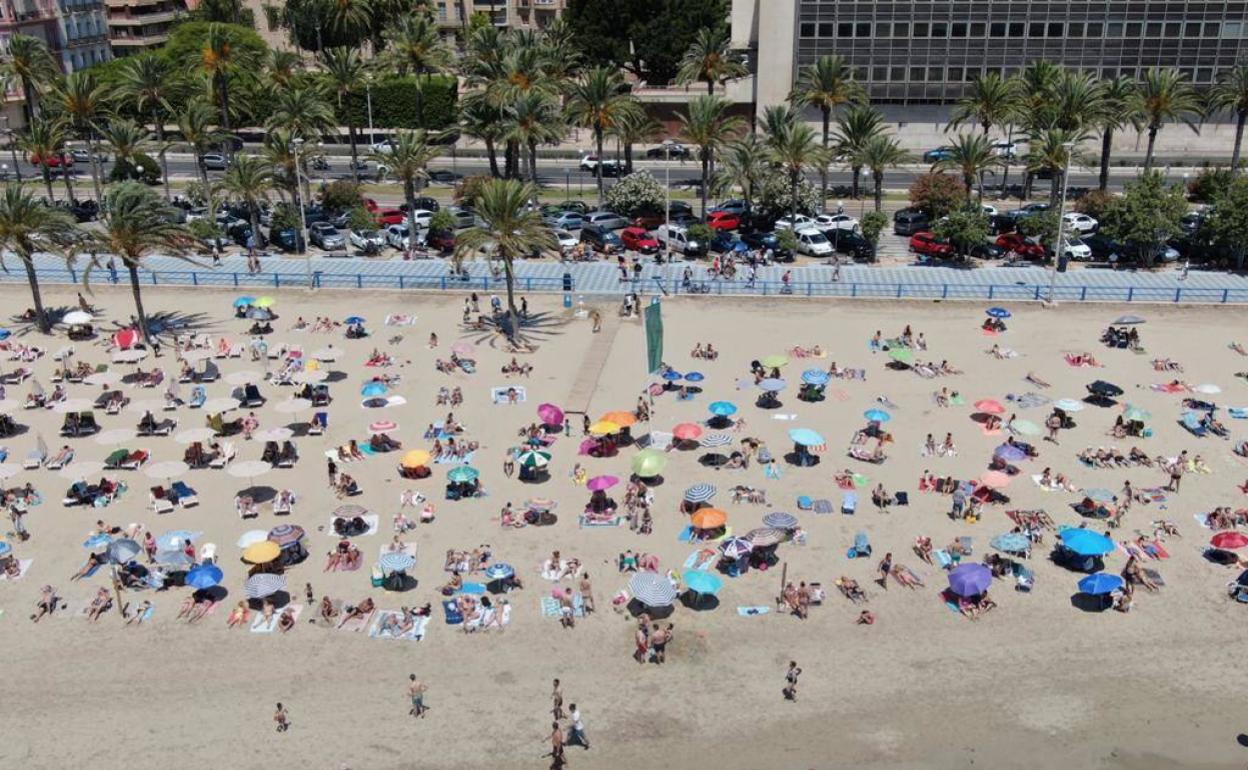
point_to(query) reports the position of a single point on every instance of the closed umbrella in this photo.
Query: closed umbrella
(1101, 583)
(1011, 542)
(969, 579)
(649, 463)
(286, 535)
(735, 547)
(722, 408)
(396, 561)
(709, 518)
(499, 571)
(989, 405)
(1085, 542)
(602, 483)
(652, 589)
(700, 582)
(772, 385)
(806, 437)
(122, 551)
(463, 474)
(815, 377)
(715, 439)
(765, 536)
(1229, 540)
(699, 493)
(262, 552)
(204, 576)
(780, 520)
(550, 414)
(263, 584)
(686, 431)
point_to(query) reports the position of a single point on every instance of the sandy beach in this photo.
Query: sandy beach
(1037, 682)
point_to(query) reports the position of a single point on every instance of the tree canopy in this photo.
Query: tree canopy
(658, 32)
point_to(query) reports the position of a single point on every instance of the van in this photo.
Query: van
(676, 239)
(911, 222)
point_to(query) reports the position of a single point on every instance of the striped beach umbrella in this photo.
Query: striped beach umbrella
(499, 571)
(735, 547)
(765, 536)
(263, 584)
(534, 458)
(286, 535)
(815, 377)
(652, 589)
(715, 439)
(700, 493)
(350, 511)
(396, 561)
(780, 520)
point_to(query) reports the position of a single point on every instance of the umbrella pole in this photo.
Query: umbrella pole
(784, 576)
(121, 609)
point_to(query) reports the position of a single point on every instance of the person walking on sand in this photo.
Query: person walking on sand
(885, 569)
(281, 718)
(587, 595)
(790, 678)
(556, 741)
(596, 317)
(556, 697)
(416, 691)
(576, 732)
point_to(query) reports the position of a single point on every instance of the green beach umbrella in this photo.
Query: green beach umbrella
(649, 463)
(463, 473)
(901, 355)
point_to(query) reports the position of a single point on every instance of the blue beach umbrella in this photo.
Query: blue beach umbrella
(5, 334)
(354, 319)
(204, 576)
(772, 385)
(877, 415)
(970, 579)
(244, 301)
(705, 583)
(97, 540)
(1009, 453)
(373, 389)
(695, 377)
(396, 561)
(1085, 542)
(806, 437)
(780, 520)
(462, 474)
(722, 408)
(672, 375)
(1100, 583)
(815, 377)
(5, 548)
(998, 312)
(499, 571)
(1099, 495)
(175, 540)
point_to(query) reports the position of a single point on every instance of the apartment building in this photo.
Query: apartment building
(521, 14)
(135, 26)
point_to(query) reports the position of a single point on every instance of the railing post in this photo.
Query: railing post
(1226, 296)
(810, 289)
(1083, 294)
(73, 276)
(944, 291)
(236, 280)
(1130, 293)
(442, 281)
(359, 280)
(991, 289)
(900, 286)
(853, 290)
(276, 280)
(400, 281)
(194, 278)
(1037, 292)
(1178, 293)
(153, 278)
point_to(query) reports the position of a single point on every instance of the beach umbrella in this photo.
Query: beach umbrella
(765, 536)
(100, 379)
(5, 334)
(1207, 389)
(220, 405)
(550, 414)
(989, 405)
(125, 339)
(166, 469)
(259, 314)
(75, 317)
(249, 469)
(5, 548)
(772, 385)
(1127, 320)
(123, 550)
(877, 415)
(329, 353)
(969, 579)
(708, 518)
(462, 348)
(129, 356)
(652, 589)
(699, 493)
(715, 439)
(998, 312)
(902, 355)
(695, 377)
(1229, 540)
(671, 375)
(775, 361)
(144, 405)
(264, 302)
(286, 535)
(649, 463)
(1098, 494)
(396, 561)
(1100, 583)
(815, 377)
(604, 428)
(355, 319)
(292, 406)
(309, 376)
(9, 471)
(499, 571)
(994, 479)
(540, 504)
(97, 540)
(1010, 453)
(1085, 542)
(193, 435)
(1011, 542)
(1103, 388)
(204, 576)
(350, 511)
(116, 436)
(244, 377)
(1192, 420)
(463, 474)
(263, 584)
(1068, 405)
(81, 470)
(722, 408)
(175, 539)
(382, 426)
(244, 301)
(623, 419)
(73, 405)
(534, 458)
(700, 582)
(687, 431)
(806, 437)
(372, 389)
(1135, 413)
(275, 434)
(416, 458)
(8, 405)
(1026, 428)
(197, 355)
(735, 547)
(602, 483)
(780, 520)
(251, 537)
(174, 558)
(262, 552)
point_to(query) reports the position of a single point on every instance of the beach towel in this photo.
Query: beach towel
(785, 417)
(1202, 519)
(259, 626)
(1166, 387)
(400, 319)
(417, 632)
(23, 566)
(584, 521)
(1047, 488)
(448, 459)
(943, 559)
(1238, 412)
(1030, 400)
(656, 439)
(409, 549)
(771, 470)
(746, 612)
(499, 395)
(702, 559)
(1155, 576)
(550, 607)
(950, 600)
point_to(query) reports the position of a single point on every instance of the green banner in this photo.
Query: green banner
(654, 336)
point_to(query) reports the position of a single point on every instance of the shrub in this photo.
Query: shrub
(1209, 185)
(441, 220)
(636, 192)
(787, 239)
(395, 103)
(469, 188)
(341, 195)
(285, 217)
(360, 218)
(872, 224)
(1095, 203)
(701, 233)
(937, 194)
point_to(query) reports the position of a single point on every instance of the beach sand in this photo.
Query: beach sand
(1035, 683)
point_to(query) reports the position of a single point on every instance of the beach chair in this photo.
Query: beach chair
(116, 458)
(198, 396)
(165, 427)
(902, 498)
(804, 503)
(135, 459)
(87, 424)
(849, 503)
(34, 458)
(251, 397)
(320, 421)
(184, 495)
(861, 548)
(320, 395)
(77, 494)
(62, 458)
(159, 500)
(288, 455)
(1024, 578)
(223, 459)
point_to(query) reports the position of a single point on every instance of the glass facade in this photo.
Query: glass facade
(925, 51)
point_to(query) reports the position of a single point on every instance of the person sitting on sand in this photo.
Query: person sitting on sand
(238, 616)
(286, 620)
(47, 604)
(360, 611)
(99, 605)
(866, 618)
(327, 611)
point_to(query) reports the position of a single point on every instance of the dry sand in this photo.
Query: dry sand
(1036, 683)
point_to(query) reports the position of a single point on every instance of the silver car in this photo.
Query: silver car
(608, 220)
(326, 236)
(368, 239)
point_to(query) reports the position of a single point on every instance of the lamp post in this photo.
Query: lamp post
(667, 188)
(1061, 223)
(368, 91)
(301, 243)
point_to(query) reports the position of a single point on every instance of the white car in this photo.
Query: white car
(566, 239)
(422, 218)
(989, 211)
(1080, 223)
(813, 243)
(789, 223)
(380, 147)
(1006, 149)
(397, 236)
(365, 239)
(1077, 250)
(827, 222)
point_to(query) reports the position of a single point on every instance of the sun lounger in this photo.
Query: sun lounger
(135, 460)
(116, 458)
(849, 503)
(227, 455)
(159, 500)
(184, 495)
(61, 459)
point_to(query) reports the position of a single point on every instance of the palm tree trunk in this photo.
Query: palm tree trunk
(628, 157)
(513, 316)
(355, 156)
(223, 87)
(32, 99)
(1241, 117)
(41, 315)
(1005, 174)
(857, 173)
(69, 186)
(598, 170)
(133, 268)
(706, 170)
(794, 176)
(95, 167)
(1152, 141)
(533, 167)
(255, 229)
(491, 152)
(47, 180)
(1107, 142)
(878, 176)
(164, 159)
(823, 167)
(409, 197)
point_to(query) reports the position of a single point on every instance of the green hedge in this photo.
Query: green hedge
(395, 103)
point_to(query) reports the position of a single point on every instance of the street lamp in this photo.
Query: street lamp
(301, 243)
(1061, 222)
(368, 91)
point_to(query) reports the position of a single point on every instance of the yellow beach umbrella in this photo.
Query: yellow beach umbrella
(775, 362)
(416, 458)
(262, 552)
(649, 463)
(624, 419)
(604, 428)
(264, 302)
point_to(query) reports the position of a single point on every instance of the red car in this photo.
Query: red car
(442, 240)
(722, 220)
(1020, 245)
(370, 204)
(637, 239)
(390, 217)
(928, 244)
(54, 161)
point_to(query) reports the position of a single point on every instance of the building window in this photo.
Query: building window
(808, 29)
(1114, 29)
(897, 74)
(1074, 29)
(862, 29)
(845, 30)
(1204, 75)
(1036, 29)
(955, 74)
(998, 29)
(1232, 29)
(901, 29)
(1134, 28)
(921, 29)
(1095, 29)
(1055, 29)
(827, 29)
(959, 29)
(1211, 29)
(1018, 29)
(940, 29)
(978, 29)
(1174, 29)
(1153, 29)
(879, 74)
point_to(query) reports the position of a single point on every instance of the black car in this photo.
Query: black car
(288, 240)
(1001, 223)
(580, 207)
(1191, 222)
(678, 207)
(763, 241)
(423, 202)
(240, 233)
(987, 251)
(677, 151)
(1101, 246)
(601, 239)
(722, 242)
(444, 176)
(853, 244)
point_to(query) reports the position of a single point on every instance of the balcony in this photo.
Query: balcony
(140, 41)
(140, 19)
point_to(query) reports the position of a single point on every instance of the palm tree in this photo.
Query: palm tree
(79, 98)
(854, 129)
(302, 113)
(220, 59)
(1231, 93)
(1077, 100)
(509, 229)
(1051, 152)
(635, 127)
(744, 163)
(348, 75)
(281, 152)
(709, 59)
(138, 224)
(1119, 108)
(533, 119)
(128, 141)
(415, 47)
(970, 155)
(349, 18)
(792, 146)
(990, 101)
(597, 102)
(478, 119)
(282, 68)
(1164, 95)
(45, 139)
(30, 63)
(27, 227)
(880, 153)
(408, 160)
(250, 179)
(197, 125)
(827, 83)
(708, 125)
(149, 82)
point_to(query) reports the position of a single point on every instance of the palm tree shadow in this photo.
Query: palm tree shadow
(21, 326)
(534, 329)
(168, 324)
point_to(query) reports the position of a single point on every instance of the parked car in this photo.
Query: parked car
(568, 220)
(602, 239)
(444, 176)
(737, 207)
(676, 239)
(761, 240)
(64, 159)
(397, 236)
(422, 216)
(464, 217)
(812, 242)
(1080, 223)
(911, 222)
(1027, 210)
(1001, 223)
(1077, 250)
(82, 156)
(241, 233)
(387, 217)
(925, 243)
(852, 243)
(326, 236)
(682, 219)
(676, 207)
(789, 222)
(442, 240)
(826, 222)
(565, 239)
(607, 219)
(669, 150)
(214, 161)
(580, 207)
(1028, 248)
(637, 239)
(1192, 221)
(722, 241)
(938, 154)
(366, 240)
(722, 220)
(289, 240)
(647, 220)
